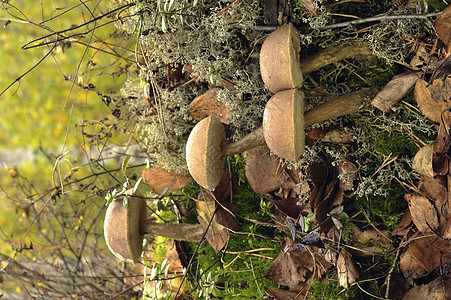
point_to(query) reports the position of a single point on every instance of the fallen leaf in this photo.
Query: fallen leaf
(424, 254)
(217, 235)
(347, 173)
(291, 269)
(326, 186)
(308, 4)
(290, 207)
(438, 289)
(405, 225)
(176, 256)
(279, 294)
(159, 179)
(422, 162)
(224, 217)
(394, 91)
(336, 136)
(347, 270)
(208, 104)
(433, 100)
(370, 242)
(442, 26)
(261, 170)
(424, 214)
(223, 189)
(434, 188)
(445, 231)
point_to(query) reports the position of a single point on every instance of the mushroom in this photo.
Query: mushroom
(343, 105)
(283, 124)
(125, 228)
(203, 152)
(279, 59)
(206, 149)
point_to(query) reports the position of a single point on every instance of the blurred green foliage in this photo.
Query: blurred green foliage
(42, 109)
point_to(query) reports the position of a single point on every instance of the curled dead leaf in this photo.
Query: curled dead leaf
(424, 214)
(347, 270)
(291, 269)
(424, 254)
(279, 294)
(162, 181)
(208, 104)
(434, 99)
(438, 289)
(442, 26)
(261, 170)
(404, 225)
(422, 162)
(336, 136)
(217, 235)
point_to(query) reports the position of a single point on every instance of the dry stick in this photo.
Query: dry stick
(379, 18)
(390, 272)
(343, 105)
(382, 17)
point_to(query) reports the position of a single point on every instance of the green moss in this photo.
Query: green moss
(331, 291)
(438, 4)
(396, 143)
(385, 211)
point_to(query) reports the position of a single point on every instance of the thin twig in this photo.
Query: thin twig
(390, 272)
(378, 18)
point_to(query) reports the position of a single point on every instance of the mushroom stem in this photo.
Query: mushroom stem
(333, 54)
(181, 232)
(343, 105)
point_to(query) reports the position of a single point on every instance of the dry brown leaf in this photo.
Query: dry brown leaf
(208, 104)
(434, 188)
(347, 270)
(446, 228)
(290, 207)
(279, 294)
(442, 26)
(291, 269)
(439, 289)
(261, 170)
(425, 254)
(405, 225)
(326, 187)
(159, 179)
(394, 91)
(308, 4)
(424, 214)
(217, 235)
(422, 162)
(434, 99)
(347, 173)
(176, 256)
(336, 136)
(370, 242)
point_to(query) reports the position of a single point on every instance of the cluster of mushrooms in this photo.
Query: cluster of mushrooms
(283, 119)
(283, 132)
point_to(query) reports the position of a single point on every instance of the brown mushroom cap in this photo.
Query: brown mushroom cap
(279, 59)
(283, 124)
(203, 152)
(123, 228)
